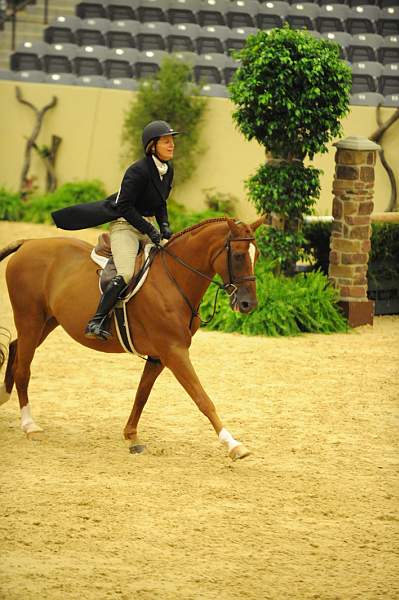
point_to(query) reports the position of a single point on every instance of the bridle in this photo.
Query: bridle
(230, 287)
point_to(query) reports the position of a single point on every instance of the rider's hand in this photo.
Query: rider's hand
(155, 236)
(166, 231)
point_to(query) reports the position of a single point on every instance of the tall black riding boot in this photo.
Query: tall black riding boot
(97, 326)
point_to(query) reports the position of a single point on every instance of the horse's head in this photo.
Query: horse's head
(235, 263)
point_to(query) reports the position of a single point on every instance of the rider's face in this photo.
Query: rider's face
(165, 147)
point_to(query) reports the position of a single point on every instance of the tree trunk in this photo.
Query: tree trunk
(31, 141)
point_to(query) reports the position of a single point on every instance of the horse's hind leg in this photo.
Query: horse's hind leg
(6, 387)
(151, 371)
(30, 336)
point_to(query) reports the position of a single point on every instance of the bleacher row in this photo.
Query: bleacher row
(117, 43)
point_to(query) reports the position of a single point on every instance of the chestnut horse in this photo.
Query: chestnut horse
(54, 282)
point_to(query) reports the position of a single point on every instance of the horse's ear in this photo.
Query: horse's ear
(258, 223)
(234, 227)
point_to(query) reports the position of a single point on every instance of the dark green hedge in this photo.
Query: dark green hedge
(287, 306)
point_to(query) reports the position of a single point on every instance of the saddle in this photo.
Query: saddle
(102, 256)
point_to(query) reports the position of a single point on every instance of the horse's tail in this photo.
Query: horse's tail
(13, 247)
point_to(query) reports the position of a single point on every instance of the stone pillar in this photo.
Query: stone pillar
(351, 230)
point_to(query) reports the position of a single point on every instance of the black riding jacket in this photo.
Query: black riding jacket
(142, 194)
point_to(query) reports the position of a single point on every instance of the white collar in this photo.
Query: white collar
(161, 166)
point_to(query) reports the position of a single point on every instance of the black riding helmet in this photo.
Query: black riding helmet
(155, 130)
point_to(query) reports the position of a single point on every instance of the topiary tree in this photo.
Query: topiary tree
(171, 97)
(291, 92)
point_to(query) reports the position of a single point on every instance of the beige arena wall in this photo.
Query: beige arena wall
(89, 121)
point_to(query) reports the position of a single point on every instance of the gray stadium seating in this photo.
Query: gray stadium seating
(182, 11)
(208, 68)
(362, 20)
(121, 10)
(25, 61)
(332, 18)
(91, 10)
(32, 76)
(388, 22)
(182, 36)
(147, 63)
(122, 34)
(212, 12)
(389, 80)
(88, 60)
(124, 40)
(215, 90)
(150, 11)
(62, 30)
(363, 47)
(8, 75)
(210, 39)
(388, 52)
(366, 99)
(61, 78)
(235, 39)
(365, 76)
(152, 36)
(122, 83)
(241, 13)
(271, 14)
(392, 100)
(91, 32)
(118, 63)
(302, 15)
(92, 81)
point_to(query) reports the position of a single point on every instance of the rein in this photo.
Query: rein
(230, 287)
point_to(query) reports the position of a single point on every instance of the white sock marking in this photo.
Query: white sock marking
(225, 437)
(27, 423)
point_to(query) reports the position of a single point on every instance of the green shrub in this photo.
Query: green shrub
(38, 208)
(287, 306)
(11, 206)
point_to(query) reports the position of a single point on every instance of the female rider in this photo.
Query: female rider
(142, 196)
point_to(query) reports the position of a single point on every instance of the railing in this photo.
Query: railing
(10, 13)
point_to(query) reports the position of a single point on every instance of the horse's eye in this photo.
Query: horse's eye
(239, 257)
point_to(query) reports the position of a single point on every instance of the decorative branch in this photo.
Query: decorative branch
(377, 137)
(31, 141)
(48, 155)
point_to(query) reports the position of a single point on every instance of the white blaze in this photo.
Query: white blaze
(252, 253)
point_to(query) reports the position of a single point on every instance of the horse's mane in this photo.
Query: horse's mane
(196, 226)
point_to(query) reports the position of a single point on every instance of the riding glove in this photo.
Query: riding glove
(166, 231)
(154, 236)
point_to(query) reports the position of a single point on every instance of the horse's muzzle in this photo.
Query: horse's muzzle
(243, 301)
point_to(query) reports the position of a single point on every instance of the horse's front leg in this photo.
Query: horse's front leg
(151, 371)
(178, 361)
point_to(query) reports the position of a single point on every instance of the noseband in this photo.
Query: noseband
(230, 287)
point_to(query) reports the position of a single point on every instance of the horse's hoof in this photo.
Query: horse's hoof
(239, 452)
(4, 395)
(137, 449)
